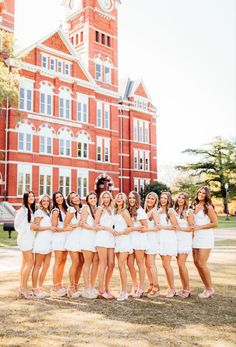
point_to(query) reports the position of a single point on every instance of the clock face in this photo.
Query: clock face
(106, 5)
(74, 4)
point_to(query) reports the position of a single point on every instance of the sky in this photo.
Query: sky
(185, 52)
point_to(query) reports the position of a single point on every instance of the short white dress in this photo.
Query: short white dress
(25, 238)
(138, 239)
(43, 239)
(184, 238)
(153, 239)
(87, 240)
(203, 238)
(122, 242)
(105, 238)
(59, 238)
(73, 242)
(168, 240)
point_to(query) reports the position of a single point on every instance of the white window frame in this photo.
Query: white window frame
(82, 114)
(136, 160)
(106, 123)
(64, 174)
(99, 115)
(106, 142)
(44, 56)
(45, 172)
(99, 144)
(82, 178)
(23, 171)
(25, 87)
(47, 91)
(52, 60)
(107, 74)
(98, 72)
(136, 128)
(25, 137)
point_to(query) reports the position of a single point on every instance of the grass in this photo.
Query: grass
(224, 224)
(143, 323)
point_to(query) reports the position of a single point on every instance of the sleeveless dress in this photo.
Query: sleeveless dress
(203, 238)
(184, 238)
(153, 239)
(168, 241)
(43, 239)
(105, 238)
(25, 237)
(73, 242)
(138, 239)
(122, 242)
(87, 237)
(59, 238)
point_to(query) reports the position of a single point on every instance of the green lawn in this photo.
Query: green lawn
(231, 223)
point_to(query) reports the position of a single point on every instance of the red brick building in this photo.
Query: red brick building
(76, 127)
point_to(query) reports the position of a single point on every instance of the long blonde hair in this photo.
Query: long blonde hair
(156, 202)
(109, 208)
(41, 205)
(125, 200)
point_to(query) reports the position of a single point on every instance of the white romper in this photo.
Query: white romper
(25, 238)
(59, 238)
(73, 243)
(153, 239)
(203, 238)
(184, 238)
(87, 241)
(122, 242)
(43, 239)
(138, 239)
(105, 238)
(168, 240)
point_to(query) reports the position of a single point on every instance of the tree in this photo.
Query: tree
(156, 187)
(9, 77)
(215, 168)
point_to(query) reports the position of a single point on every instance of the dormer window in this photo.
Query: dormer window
(140, 103)
(44, 61)
(56, 65)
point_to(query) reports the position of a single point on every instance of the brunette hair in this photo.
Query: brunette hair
(186, 204)
(207, 201)
(26, 204)
(133, 209)
(55, 204)
(41, 205)
(69, 202)
(87, 197)
(124, 197)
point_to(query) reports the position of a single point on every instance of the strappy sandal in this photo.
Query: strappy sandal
(154, 292)
(139, 294)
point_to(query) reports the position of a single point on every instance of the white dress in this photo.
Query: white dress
(153, 239)
(184, 238)
(87, 241)
(25, 238)
(122, 242)
(43, 239)
(138, 239)
(168, 240)
(59, 238)
(203, 238)
(105, 238)
(73, 243)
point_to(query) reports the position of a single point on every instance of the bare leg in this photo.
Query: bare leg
(88, 259)
(29, 263)
(153, 269)
(73, 268)
(122, 258)
(130, 263)
(166, 262)
(23, 265)
(110, 268)
(102, 255)
(139, 256)
(43, 273)
(183, 271)
(58, 268)
(149, 274)
(201, 263)
(79, 270)
(39, 258)
(94, 270)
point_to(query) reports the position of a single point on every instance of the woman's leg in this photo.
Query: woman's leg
(102, 256)
(153, 269)
(130, 263)
(23, 265)
(88, 259)
(79, 270)
(149, 274)
(139, 256)
(183, 271)
(110, 268)
(94, 270)
(43, 273)
(201, 264)
(122, 259)
(28, 259)
(57, 268)
(39, 258)
(73, 268)
(166, 263)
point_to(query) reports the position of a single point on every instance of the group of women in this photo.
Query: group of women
(94, 233)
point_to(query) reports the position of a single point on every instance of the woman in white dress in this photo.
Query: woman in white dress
(42, 245)
(138, 240)
(168, 241)
(24, 226)
(59, 239)
(105, 244)
(73, 216)
(203, 241)
(88, 234)
(153, 243)
(123, 248)
(184, 236)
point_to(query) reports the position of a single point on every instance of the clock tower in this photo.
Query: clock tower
(93, 30)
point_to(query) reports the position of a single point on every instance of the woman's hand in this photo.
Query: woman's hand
(54, 229)
(68, 228)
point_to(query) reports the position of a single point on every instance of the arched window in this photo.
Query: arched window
(83, 145)
(45, 139)
(65, 138)
(46, 99)
(25, 135)
(65, 103)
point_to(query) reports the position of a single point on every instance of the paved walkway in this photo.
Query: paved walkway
(10, 258)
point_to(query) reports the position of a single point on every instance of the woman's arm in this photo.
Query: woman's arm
(156, 219)
(68, 219)
(36, 225)
(213, 218)
(173, 221)
(55, 215)
(83, 221)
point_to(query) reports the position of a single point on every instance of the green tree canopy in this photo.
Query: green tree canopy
(215, 167)
(156, 187)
